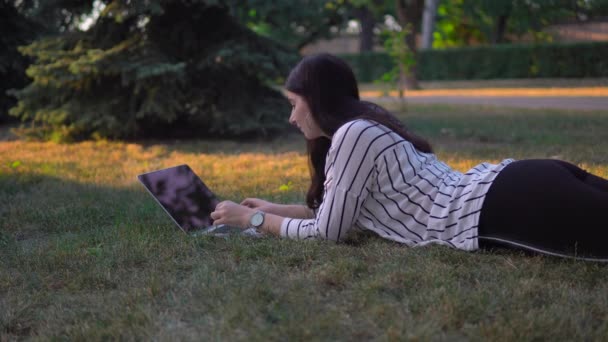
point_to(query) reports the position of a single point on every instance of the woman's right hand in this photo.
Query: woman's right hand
(259, 204)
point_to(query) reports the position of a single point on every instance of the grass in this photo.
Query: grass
(86, 254)
(504, 83)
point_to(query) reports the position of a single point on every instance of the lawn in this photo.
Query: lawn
(86, 254)
(546, 83)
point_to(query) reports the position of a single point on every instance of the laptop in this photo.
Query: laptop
(188, 201)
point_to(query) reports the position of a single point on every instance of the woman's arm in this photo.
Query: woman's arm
(285, 210)
(233, 214)
(295, 211)
(349, 178)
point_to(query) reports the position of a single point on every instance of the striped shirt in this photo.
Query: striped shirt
(378, 181)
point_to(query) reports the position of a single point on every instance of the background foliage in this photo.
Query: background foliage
(469, 22)
(494, 62)
(12, 63)
(293, 23)
(177, 68)
(155, 68)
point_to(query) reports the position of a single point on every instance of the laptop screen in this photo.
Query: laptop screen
(183, 195)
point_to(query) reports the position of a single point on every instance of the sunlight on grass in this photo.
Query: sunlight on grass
(118, 164)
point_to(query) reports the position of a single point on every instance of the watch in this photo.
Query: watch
(257, 219)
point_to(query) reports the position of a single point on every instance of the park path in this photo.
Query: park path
(579, 98)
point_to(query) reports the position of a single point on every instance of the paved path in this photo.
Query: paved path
(593, 98)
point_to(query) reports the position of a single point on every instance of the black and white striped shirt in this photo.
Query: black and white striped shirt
(378, 181)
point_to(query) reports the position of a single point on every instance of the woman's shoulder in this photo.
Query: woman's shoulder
(359, 130)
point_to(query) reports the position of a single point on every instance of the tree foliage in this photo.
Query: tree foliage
(466, 22)
(496, 18)
(403, 60)
(369, 13)
(293, 23)
(54, 16)
(16, 30)
(155, 67)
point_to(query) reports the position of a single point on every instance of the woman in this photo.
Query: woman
(369, 172)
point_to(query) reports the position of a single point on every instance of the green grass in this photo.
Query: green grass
(86, 254)
(505, 83)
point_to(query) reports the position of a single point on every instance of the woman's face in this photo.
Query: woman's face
(301, 117)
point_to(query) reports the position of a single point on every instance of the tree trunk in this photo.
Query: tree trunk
(411, 79)
(500, 29)
(368, 23)
(409, 13)
(428, 23)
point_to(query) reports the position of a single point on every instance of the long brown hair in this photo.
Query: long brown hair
(330, 89)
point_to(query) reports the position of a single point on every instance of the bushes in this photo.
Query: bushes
(495, 62)
(369, 66)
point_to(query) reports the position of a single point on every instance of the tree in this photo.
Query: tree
(55, 16)
(404, 59)
(591, 9)
(369, 13)
(497, 18)
(409, 13)
(367, 21)
(454, 28)
(469, 22)
(293, 23)
(428, 23)
(16, 30)
(155, 67)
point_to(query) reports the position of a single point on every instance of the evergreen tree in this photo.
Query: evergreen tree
(155, 68)
(16, 30)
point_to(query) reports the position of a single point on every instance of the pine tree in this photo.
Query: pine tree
(16, 30)
(155, 68)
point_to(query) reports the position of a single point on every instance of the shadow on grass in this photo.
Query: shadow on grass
(285, 143)
(86, 261)
(81, 261)
(47, 205)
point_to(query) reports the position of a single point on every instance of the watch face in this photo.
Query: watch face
(257, 219)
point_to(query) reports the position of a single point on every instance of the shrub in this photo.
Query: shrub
(495, 62)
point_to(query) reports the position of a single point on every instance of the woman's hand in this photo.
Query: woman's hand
(259, 204)
(232, 214)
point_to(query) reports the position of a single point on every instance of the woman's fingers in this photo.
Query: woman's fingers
(250, 202)
(232, 214)
(214, 215)
(218, 214)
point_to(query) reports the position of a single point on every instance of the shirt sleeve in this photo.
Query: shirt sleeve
(350, 172)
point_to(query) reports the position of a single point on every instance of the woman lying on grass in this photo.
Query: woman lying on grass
(370, 172)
